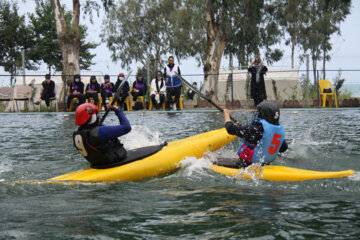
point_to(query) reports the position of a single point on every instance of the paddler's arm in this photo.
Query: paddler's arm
(111, 132)
(231, 128)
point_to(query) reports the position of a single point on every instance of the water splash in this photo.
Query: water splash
(193, 167)
(355, 176)
(141, 136)
(5, 167)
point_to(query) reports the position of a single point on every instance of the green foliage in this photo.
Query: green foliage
(137, 29)
(323, 18)
(346, 94)
(313, 89)
(47, 49)
(338, 82)
(14, 37)
(251, 26)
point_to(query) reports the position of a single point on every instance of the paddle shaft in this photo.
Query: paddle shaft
(203, 96)
(116, 97)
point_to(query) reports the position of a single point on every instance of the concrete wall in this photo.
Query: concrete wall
(280, 84)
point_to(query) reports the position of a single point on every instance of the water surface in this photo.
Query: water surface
(192, 203)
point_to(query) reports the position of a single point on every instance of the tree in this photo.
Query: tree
(69, 36)
(15, 36)
(42, 23)
(334, 12)
(145, 30)
(216, 43)
(323, 15)
(293, 18)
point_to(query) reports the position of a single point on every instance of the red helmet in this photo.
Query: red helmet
(84, 112)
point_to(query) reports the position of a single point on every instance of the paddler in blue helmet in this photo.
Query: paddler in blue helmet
(263, 138)
(99, 144)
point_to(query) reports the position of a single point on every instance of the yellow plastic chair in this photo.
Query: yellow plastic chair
(325, 84)
(71, 102)
(127, 103)
(180, 102)
(92, 100)
(151, 104)
(139, 97)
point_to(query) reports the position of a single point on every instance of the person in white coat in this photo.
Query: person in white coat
(158, 90)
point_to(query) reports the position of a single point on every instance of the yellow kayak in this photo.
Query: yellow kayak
(162, 162)
(278, 173)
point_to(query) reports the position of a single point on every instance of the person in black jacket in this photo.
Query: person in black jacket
(107, 90)
(257, 70)
(93, 90)
(263, 138)
(76, 90)
(139, 89)
(124, 93)
(47, 91)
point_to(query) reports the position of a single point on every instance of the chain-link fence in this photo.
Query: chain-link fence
(233, 88)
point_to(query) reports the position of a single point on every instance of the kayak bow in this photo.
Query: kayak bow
(278, 173)
(162, 162)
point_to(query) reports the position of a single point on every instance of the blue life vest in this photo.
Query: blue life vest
(268, 147)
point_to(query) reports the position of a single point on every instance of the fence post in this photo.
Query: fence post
(64, 84)
(317, 86)
(307, 78)
(23, 65)
(232, 83)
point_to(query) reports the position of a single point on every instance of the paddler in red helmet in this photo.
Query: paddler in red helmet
(99, 144)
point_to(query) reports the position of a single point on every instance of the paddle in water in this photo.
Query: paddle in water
(116, 97)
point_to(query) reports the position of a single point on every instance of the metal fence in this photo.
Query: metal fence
(281, 84)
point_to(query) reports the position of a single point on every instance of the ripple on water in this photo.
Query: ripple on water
(193, 202)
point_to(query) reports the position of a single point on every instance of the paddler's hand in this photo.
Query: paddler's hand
(227, 115)
(110, 107)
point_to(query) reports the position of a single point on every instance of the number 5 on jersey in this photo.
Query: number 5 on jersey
(275, 143)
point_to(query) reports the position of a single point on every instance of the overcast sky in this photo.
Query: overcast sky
(345, 53)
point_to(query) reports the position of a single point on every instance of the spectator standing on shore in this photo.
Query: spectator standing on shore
(47, 91)
(158, 90)
(173, 84)
(257, 70)
(93, 90)
(124, 93)
(107, 89)
(76, 90)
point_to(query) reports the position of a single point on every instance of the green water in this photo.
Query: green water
(192, 203)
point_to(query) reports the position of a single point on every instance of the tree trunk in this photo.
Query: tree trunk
(69, 41)
(216, 42)
(314, 69)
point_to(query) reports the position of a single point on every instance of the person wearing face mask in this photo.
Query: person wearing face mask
(107, 89)
(76, 90)
(158, 90)
(124, 91)
(92, 90)
(257, 70)
(139, 89)
(97, 143)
